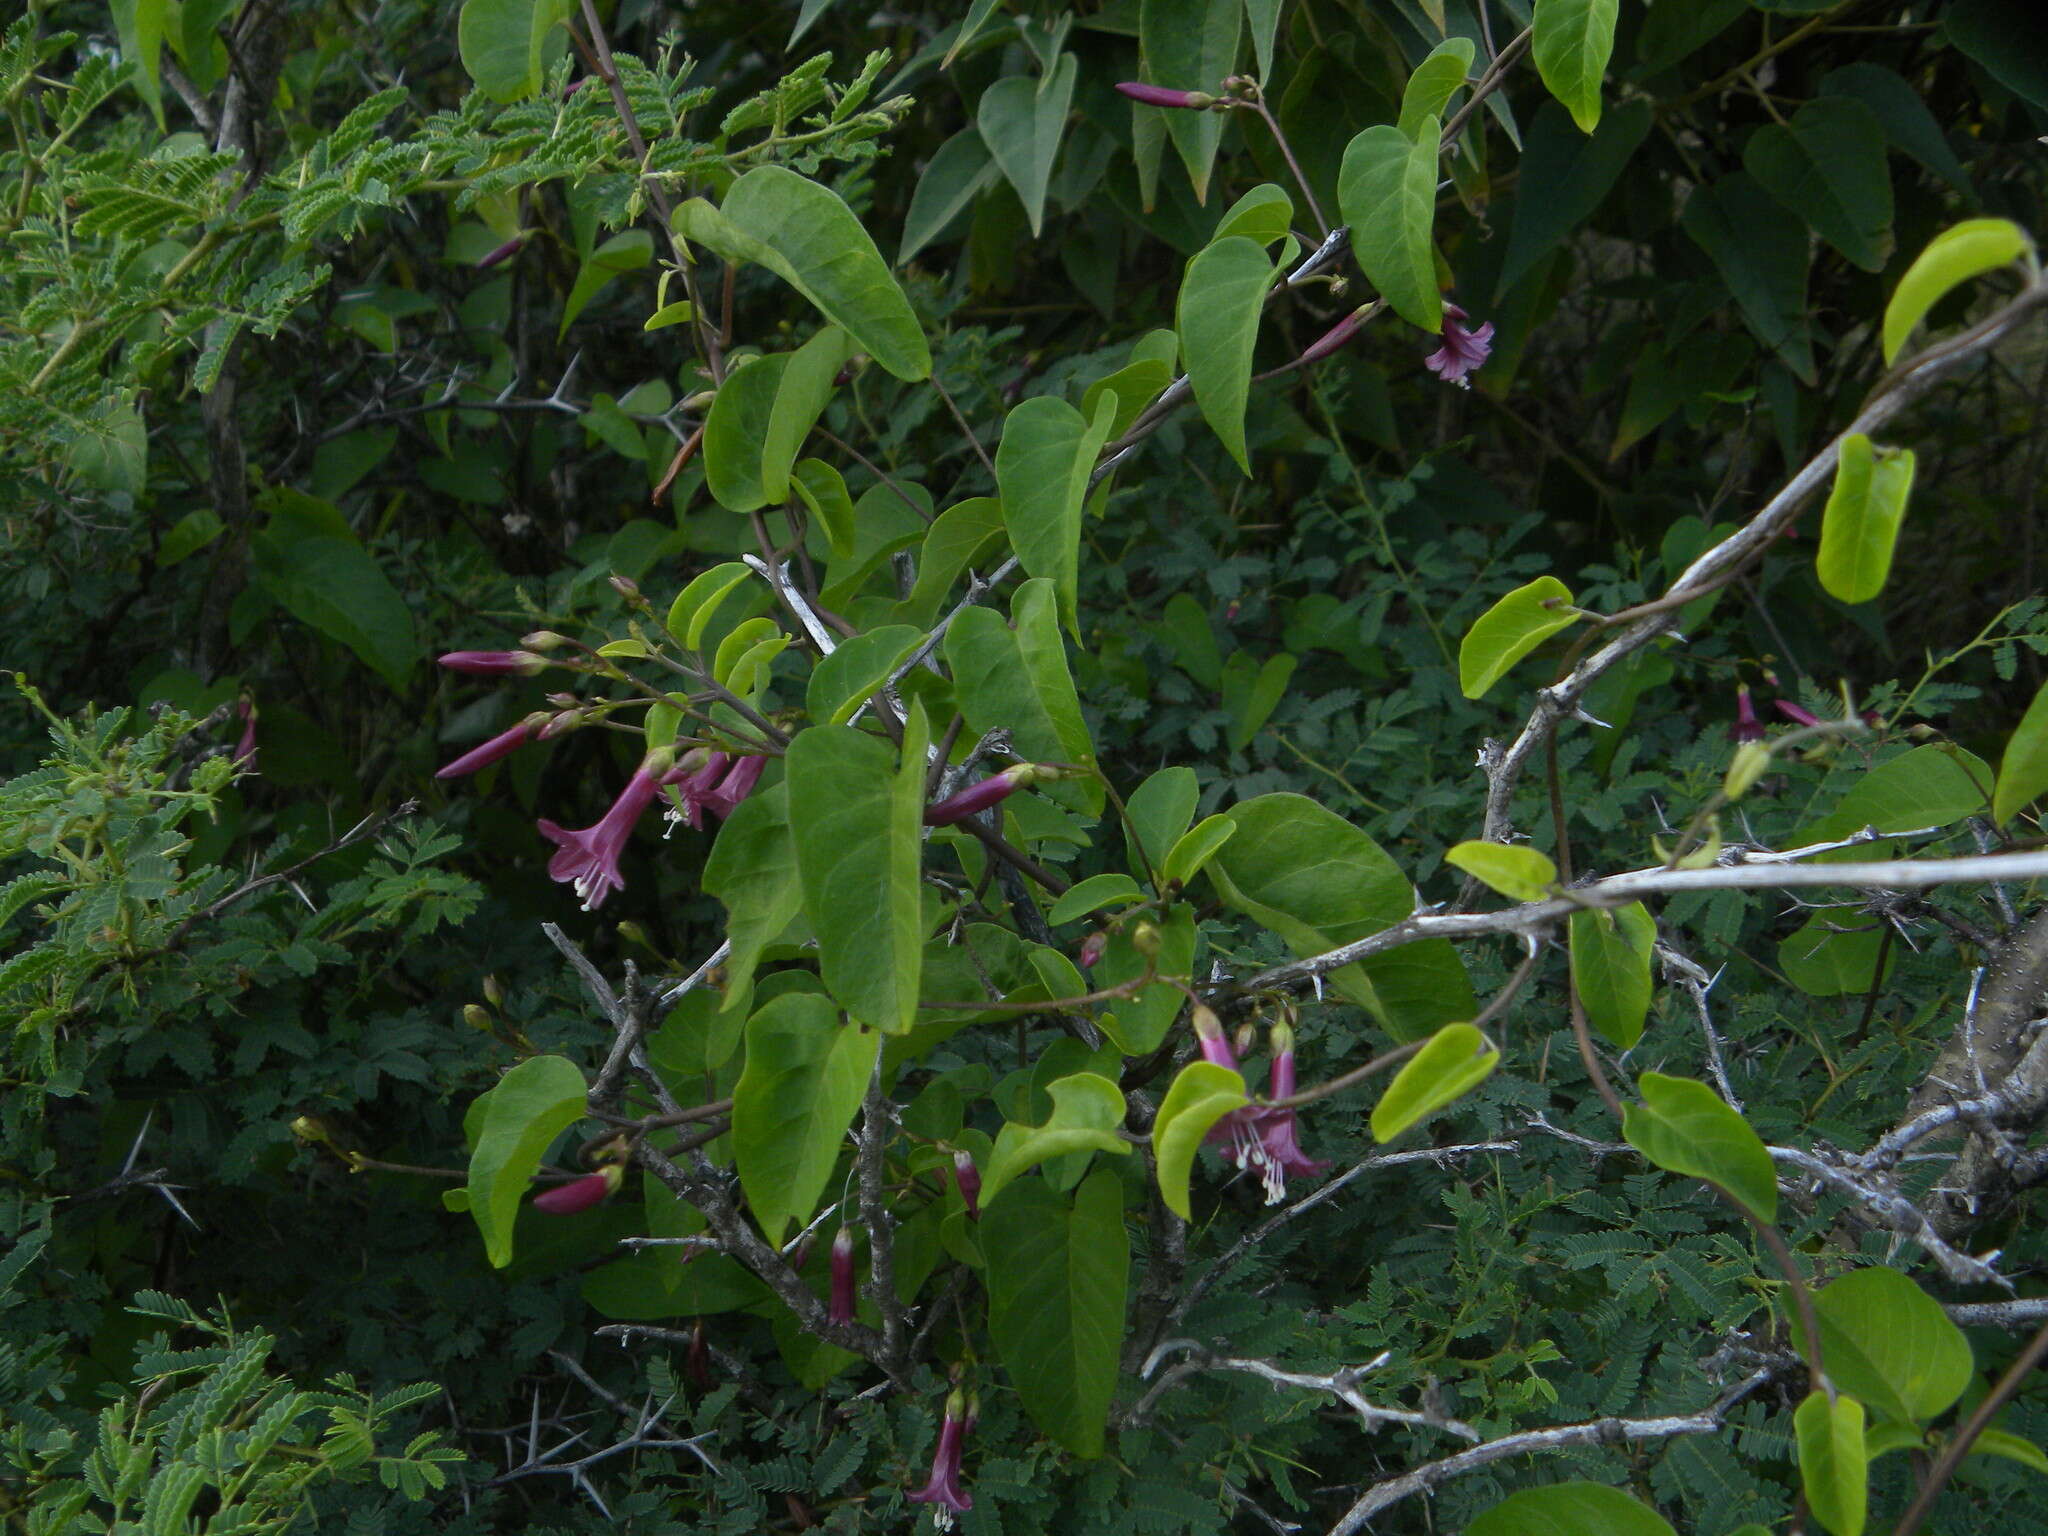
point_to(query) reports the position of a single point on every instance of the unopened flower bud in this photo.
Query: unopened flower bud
(1752, 762)
(842, 1276)
(1163, 96)
(494, 991)
(968, 1177)
(1145, 939)
(1209, 1036)
(311, 1131)
(543, 640)
(580, 1194)
(563, 723)
(1333, 338)
(1092, 948)
(504, 252)
(495, 663)
(1797, 714)
(979, 797)
(1246, 1037)
(629, 589)
(476, 1016)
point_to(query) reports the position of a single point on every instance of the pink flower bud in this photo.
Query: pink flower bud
(503, 253)
(842, 1276)
(1209, 1034)
(1092, 948)
(495, 663)
(245, 749)
(504, 744)
(1795, 713)
(580, 1194)
(1334, 337)
(979, 797)
(1162, 96)
(968, 1177)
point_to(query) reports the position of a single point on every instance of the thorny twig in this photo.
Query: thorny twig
(1341, 1384)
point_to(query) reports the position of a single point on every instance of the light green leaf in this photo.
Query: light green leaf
(1057, 1278)
(680, 312)
(1887, 1343)
(1088, 1112)
(139, 25)
(1387, 191)
(855, 817)
(1518, 873)
(807, 236)
(751, 644)
(1196, 847)
(960, 537)
(697, 603)
(752, 870)
(1135, 385)
(1952, 258)
(1263, 18)
(1860, 528)
(1218, 319)
(627, 251)
(1015, 676)
(800, 399)
(1827, 166)
(2023, 769)
(978, 13)
(1929, 786)
(1159, 811)
(1996, 1442)
(1136, 1027)
(517, 1121)
(1303, 872)
(1573, 41)
(1435, 81)
(1611, 953)
(1092, 895)
(188, 535)
(1042, 468)
(1834, 1468)
(842, 682)
(822, 489)
(504, 44)
(1457, 1059)
(1201, 1095)
(956, 175)
(1190, 45)
(1252, 691)
(735, 429)
(1570, 1509)
(1510, 630)
(1683, 1126)
(1264, 214)
(1021, 121)
(805, 1076)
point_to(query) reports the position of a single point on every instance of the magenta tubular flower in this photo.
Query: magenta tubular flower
(738, 783)
(1335, 337)
(1163, 96)
(245, 749)
(504, 744)
(580, 1194)
(693, 779)
(495, 663)
(1795, 713)
(968, 1177)
(1746, 727)
(589, 858)
(943, 1488)
(979, 797)
(1462, 350)
(1210, 1037)
(1283, 1154)
(841, 1310)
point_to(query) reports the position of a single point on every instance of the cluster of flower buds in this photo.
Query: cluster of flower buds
(1258, 1137)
